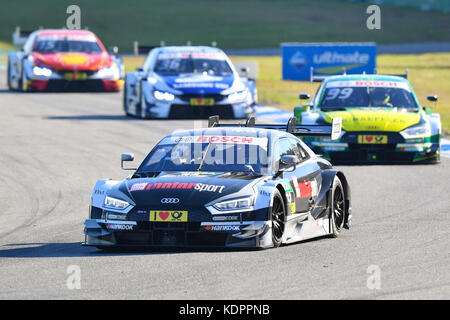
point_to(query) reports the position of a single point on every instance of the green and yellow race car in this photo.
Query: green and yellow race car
(382, 120)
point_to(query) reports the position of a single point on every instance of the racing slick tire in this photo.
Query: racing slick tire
(142, 112)
(277, 217)
(125, 102)
(23, 83)
(8, 76)
(337, 208)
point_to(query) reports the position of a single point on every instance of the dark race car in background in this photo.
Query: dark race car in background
(226, 185)
(64, 60)
(188, 82)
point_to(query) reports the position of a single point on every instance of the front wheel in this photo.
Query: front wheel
(23, 85)
(337, 208)
(125, 100)
(8, 75)
(277, 216)
(142, 106)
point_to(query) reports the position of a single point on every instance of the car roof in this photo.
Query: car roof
(202, 49)
(63, 32)
(365, 77)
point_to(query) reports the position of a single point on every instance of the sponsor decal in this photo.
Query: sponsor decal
(190, 54)
(168, 216)
(290, 197)
(225, 218)
(292, 207)
(264, 193)
(138, 186)
(222, 228)
(286, 185)
(372, 139)
(302, 190)
(257, 141)
(121, 227)
(368, 83)
(170, 200)
(198, 79)
(97, 191)
(191, 174)
(326, 59)
(200, 187)
(114, 216)
(67, 36)
(74, 58)
(225, 139)
(333, 57)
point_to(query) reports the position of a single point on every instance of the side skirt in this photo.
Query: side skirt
(298, 229)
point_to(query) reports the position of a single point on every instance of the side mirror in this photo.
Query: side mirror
(126, 157)
(288, 161)
(304, 96)
(245, 70)
(114, 50)
(432, 98)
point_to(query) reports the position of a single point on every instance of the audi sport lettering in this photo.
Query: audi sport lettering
(200, 187)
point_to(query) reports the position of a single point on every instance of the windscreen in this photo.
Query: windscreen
(368, 94)
(52, 45)
(192, 63)
(208, 153)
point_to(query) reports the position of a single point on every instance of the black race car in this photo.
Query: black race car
(227, 185)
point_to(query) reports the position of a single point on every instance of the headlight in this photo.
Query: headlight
(42, 71)
(110, 72)
(238, 96)
(416, 131)
(236, 204)
(163, 96)
(115, 203)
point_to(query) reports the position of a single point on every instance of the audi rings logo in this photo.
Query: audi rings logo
(170, 200)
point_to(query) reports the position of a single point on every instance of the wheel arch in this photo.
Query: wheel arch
(324, 194)
(280, 189)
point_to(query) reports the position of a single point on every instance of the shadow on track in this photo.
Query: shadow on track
(75, 249)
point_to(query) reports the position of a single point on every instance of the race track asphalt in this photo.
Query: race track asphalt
(53, 148)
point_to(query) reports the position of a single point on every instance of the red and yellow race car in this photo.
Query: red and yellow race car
(64, 60)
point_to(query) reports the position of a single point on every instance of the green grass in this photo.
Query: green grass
(232, 23)
(428, 74)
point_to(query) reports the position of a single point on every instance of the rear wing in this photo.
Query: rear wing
(247, 69)
(405, 75)
(305, 130)
(319, 78)
(19, 36)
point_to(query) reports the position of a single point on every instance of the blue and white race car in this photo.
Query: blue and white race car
(188, 82)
